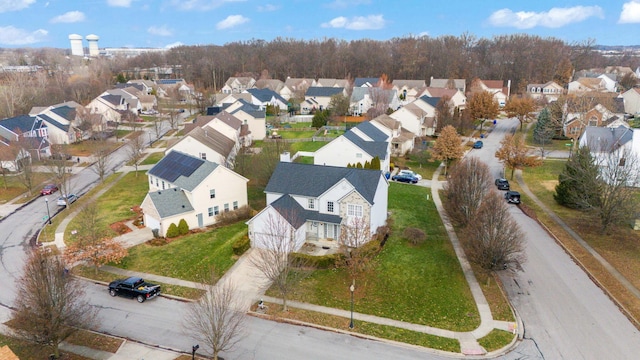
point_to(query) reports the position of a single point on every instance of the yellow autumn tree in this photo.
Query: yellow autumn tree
(448, 146)
(515, 154)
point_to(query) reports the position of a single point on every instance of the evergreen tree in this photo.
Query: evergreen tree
(375, 163)
(578, 184)
(320, 119)
(544, 129)
(367, 165)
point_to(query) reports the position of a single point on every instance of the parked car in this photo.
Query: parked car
(512, 197)
(410, 172)
(64, 200)
(502, 184)
(478, 144)
(48, 189)
(134, 287)
(405, 178)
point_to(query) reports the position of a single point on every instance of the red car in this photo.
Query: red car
(48, 189)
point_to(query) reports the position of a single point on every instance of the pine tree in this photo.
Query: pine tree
(578, 184)
(544, 129)
(375, 163)
(367, 165)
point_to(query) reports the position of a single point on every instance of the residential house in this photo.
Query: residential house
(61, 122)
(366, 82)
(28, 129)
(322, 95)
(296, 87)
(129, 94)
(401, 139)
(325, 82)
(611, 146)
(364, 98)
(147, 85)
(236, 85)
(314, 203)
(147, 102)
(598, 116)
(408, 89)
(549, 91)
(496, 88)
(169, 87)
(185, 187)
(418, 117)
(459, 84)
(586, 84)
(207, 143)
(267, 97)
(223, 122)
(358, 145)
(632, 101)
(226, 99)
(457, 98)
(610, 81)
(12, 158)
(254, 116)
(110, 107)
(274, 85)
(308, 106)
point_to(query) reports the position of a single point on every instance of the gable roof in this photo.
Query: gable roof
(314, 180)
(330, 82)
(358, 82)
(611, 138)
(229, 119)
(294, 83)
(265, 95)
(182, 170)
(442, 83)
(440, 92)
(371, 131)
(493, 84)
(412, 84)
(254, 110)
(297, 216)
(243, 80)
(113, 99)
(65, 112)
(49, 120)
(373, 148)
(273, 84)
(212, 139)
(21, 123)
(170, 202)
(388, 122)
(433, 101)
(323, 91)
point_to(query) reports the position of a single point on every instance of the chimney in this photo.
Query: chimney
(285, 157)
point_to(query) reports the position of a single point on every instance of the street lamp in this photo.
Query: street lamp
(194, 348)
(149, 138)
(352, 288)
(46, 200)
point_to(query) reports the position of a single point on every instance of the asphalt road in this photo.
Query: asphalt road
(565, 314)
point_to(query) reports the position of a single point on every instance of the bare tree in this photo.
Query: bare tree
(494, 239)
(51, 305)
(60, 168)
(93, 245)
(354, 234)
(102, 157)
(275, 259)
(466, 187)
(217, 318)
(135, 149)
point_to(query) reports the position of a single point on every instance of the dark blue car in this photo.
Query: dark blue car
(478, 145)
(405, 178)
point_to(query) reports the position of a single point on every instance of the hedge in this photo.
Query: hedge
(317, 262)
(241, 245)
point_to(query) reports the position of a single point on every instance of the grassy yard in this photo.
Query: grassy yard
(27, 350)
(11, 186)
(115, 205)
(153, 158)
(307, 146)
(425, 169)
(295, 134)
(189, 257)
(420, 284)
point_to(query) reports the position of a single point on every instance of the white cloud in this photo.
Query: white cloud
(172, 45)
(231, 21)
(10, 35)
(119, 3)
(160, 30)
(371, 22)
(267, 7)
(554, 18)
(13, 5)
(630, 12)
(200, 4)
(69, 17)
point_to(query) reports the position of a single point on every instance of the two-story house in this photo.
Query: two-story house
(549, 91)
(185, 187)
(207, 143)
(322, 95)
(408, 90)
(296, 87)
(316, 202)
(365, 97)
(401, 139)
(264, 97)
(253, 116)
(236, 85)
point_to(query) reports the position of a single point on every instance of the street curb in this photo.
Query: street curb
(100, 282)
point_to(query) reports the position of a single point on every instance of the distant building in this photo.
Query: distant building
(76, 45)
(93, 45)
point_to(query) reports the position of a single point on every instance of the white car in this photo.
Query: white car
(410, 172)
(62, 200)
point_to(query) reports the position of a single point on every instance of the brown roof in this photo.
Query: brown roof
(388, 121)
(493, 84)
(229, 119)
(440, 92)
(213, 139)
(7, 354)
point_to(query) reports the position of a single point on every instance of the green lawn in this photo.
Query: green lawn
(14, 187)
(307, 146)
(423, 284)
(153, 158)
(189, 257)
(296, 134)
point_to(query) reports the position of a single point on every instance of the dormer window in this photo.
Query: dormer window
(312, 204)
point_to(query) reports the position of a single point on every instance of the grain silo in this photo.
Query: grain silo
(76, 45)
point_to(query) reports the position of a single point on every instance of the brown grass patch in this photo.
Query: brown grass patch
(95, 341)
(549, 184)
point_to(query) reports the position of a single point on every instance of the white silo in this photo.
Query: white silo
(76, 45)
(93, 44)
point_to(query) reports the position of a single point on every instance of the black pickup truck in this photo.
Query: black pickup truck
(134, 287)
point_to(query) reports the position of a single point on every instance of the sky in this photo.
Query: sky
(167, 23)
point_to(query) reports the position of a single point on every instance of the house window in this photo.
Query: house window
(359, 155)
(330, 206)
(157, 182)
(354, 210)
(163, 185)
(210, 212)
(235, 205)
(151, 180)
(216, 210)
(226, 207)
(212, 194)
(312, 204)
(203, 156)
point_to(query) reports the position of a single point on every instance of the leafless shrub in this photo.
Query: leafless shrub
(467, 185)
(414, 235)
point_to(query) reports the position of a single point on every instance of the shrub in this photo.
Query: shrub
(316, 262)
(241, 245)
(173, 231)
(230, 217)
(183, 228)
(415, 236)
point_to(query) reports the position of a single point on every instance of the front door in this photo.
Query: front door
(200, 223)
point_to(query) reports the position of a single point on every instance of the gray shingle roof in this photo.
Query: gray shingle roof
(358, 82)
(323, 91)
(113, 99)
(265, 95)
(229, 119)
(606, 138)
(314, 180)
(213, 139)
(254, 110)
(371, 131)
(433, 101)
(373, 148)
(65, 112)
(182, 170)
(297, 216)
(170, 202)
(21, 123)
(50, 120)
